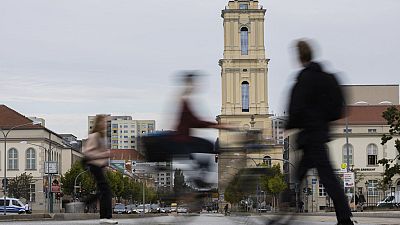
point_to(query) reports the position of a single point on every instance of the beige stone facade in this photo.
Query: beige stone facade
(372, 94)
(365, 129)
(244, 76)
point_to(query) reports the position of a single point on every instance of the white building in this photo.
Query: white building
(365, 129)
(123, 132)
(278, 128)
(28, 147)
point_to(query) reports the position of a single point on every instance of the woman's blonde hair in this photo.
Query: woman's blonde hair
(97, 126)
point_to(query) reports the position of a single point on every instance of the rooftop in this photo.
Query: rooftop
(10, 118)
(365, 115)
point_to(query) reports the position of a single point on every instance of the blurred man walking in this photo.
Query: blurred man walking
(315, 101)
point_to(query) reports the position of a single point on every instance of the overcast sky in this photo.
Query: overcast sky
(67, 59)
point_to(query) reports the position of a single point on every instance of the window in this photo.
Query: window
(348, 130)
(372, 188)
(243, 6)
(344, 153)
(267, 161)
(13, 159)
(30, 159)
(126, 137)
(32, 193)
(371, 130)
(244, 40)
(245, 96)
(125, 126)
(372, 151)
(125, 131)
(321, 191)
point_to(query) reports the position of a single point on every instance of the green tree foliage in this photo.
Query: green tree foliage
(18, 187)
(274, 182)
(122, 187)
(392, 116)
(85, 180)
(233, 192)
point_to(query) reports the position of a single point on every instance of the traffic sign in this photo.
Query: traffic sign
(51, 167)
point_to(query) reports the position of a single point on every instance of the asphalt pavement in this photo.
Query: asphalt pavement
(217, 219)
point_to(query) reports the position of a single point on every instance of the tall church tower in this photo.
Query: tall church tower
(244, 75)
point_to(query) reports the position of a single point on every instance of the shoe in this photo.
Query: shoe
(108, 221)
(346, 223)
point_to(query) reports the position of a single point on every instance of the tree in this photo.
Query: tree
(274, 184)
(116, 182)
(19, 186)
(392, 116)
(85, 181)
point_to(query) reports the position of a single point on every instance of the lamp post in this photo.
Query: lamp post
(48, 151)
(366, 190)
(76, 179)
(5, 135)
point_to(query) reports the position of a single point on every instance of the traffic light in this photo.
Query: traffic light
(216, 159)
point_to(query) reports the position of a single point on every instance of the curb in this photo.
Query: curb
(70, 216)
(380, 214)
(25, 217)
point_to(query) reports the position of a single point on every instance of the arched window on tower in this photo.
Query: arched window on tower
(245, 96)
(244, 40)
(267, 161)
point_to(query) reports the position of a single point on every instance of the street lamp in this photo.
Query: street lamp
(5, 135)
(366, 189)
(48, 151)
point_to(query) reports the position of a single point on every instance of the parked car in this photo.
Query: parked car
(174, 207)
(155, 208)
(139, 208)
(13, 205)
(131, 209)
(119, 209)
(182, 209)
(390, 201)
(167, 209)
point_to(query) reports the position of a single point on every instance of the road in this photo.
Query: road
(215, 219)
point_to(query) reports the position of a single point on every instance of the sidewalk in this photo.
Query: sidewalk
(375, 214)
(68, 216)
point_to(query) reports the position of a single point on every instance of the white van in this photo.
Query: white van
(13, 205)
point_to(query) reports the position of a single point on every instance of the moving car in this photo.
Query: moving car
(13, 205)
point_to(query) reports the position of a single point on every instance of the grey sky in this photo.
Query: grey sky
(65, 60)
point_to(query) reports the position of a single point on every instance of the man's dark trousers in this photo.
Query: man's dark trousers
(316, 156)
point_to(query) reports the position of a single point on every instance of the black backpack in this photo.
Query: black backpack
(333, 100)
